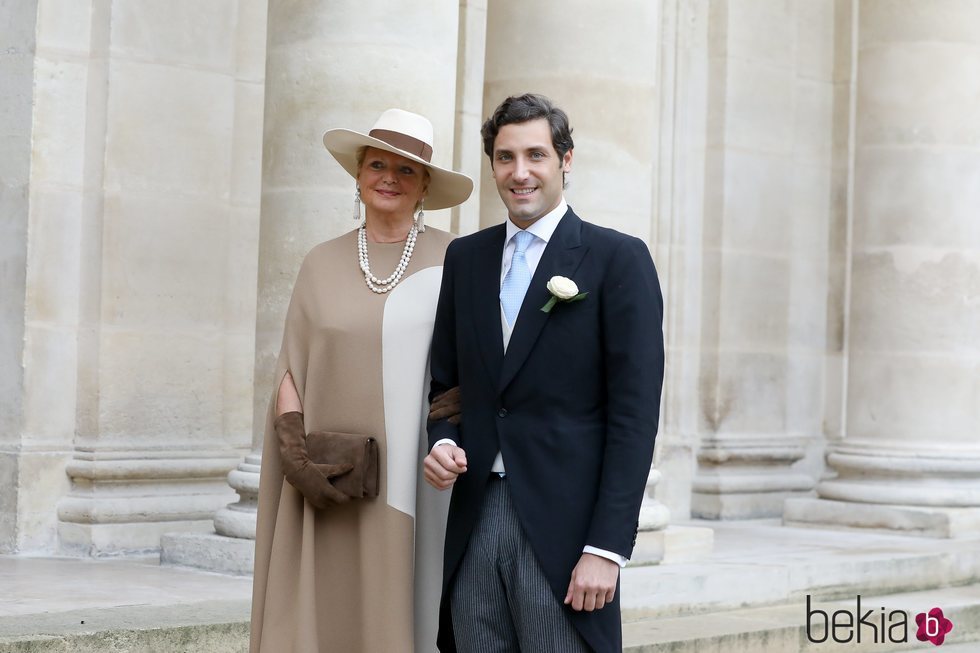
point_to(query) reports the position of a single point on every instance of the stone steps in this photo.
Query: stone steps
(119, 605)
(782, 628)
(748, 595)
(222, 627)
(192, 627)
(764, 564)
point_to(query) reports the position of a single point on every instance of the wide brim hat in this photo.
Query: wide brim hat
(409, 135)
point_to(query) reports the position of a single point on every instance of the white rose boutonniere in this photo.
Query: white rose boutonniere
(562, 289)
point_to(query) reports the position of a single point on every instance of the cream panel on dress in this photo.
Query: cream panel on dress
(406, 338)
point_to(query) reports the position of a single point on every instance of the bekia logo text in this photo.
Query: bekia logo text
(873, 625)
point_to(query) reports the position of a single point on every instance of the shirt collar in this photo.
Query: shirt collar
(544, 227)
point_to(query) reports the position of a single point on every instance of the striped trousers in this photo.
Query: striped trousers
(500, 600)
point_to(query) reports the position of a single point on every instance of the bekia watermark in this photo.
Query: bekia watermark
(874, 625)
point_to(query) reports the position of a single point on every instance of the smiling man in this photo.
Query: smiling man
(561, 398)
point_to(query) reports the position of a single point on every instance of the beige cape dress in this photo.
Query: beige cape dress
(363, 577)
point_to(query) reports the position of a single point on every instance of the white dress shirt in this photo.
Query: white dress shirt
(542, 229)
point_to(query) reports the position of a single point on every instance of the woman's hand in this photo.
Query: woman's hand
(446, 406)
(311, 479)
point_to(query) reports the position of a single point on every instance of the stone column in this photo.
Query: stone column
(336, 64)
(767, 208)
(598, 62)
(595, 61)
(165, 277)
(910, 458)
(317, 77)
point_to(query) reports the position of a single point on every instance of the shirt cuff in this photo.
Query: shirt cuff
(443, 441)
(602, 553)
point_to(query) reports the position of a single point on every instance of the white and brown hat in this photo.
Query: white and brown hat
(407, 134)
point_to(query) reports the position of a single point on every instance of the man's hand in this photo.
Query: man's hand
(593, 583)
(446, 406)
(443, 464)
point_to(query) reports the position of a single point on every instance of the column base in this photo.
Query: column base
(923, 521)
(230, 547)
(209, 551)
(672, 545)
(34, 480)
(748, 505)
(748, 477)
(122, 502)
(122, 538)
(238, 519)
(235, 522)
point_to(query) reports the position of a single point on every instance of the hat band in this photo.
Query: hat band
(404, 142)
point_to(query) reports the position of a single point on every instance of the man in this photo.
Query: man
(560, 403)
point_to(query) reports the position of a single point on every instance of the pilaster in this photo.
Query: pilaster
(765, 263)
(157, 381)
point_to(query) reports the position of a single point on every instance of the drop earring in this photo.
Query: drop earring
(357, 203)
(420, 220)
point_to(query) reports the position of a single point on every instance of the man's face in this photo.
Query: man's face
(528, 170)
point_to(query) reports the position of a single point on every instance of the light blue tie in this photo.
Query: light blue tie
(518, 278)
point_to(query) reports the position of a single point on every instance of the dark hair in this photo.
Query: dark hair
(522, 108)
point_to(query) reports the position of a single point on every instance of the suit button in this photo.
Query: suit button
(502, 412)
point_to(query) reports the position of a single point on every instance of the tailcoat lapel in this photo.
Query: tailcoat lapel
(486, 300)
(561, 257)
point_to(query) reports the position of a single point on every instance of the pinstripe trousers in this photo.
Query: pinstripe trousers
(500, 600)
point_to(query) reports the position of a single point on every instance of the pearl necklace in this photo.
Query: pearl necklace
(381, 286)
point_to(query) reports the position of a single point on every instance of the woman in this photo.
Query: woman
(333, 574)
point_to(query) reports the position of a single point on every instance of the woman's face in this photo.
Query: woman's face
(390, 184)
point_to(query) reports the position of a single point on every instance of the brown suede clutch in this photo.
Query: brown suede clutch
(361, 451)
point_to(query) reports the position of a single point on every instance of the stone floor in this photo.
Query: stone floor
(131, 605)
(33, 586)
(748, 595)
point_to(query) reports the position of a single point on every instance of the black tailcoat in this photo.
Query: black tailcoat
(573, 406)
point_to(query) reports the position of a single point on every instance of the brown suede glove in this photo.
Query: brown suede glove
(446, 406)
(311, 479)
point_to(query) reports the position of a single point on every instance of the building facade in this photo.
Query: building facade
(805, 174)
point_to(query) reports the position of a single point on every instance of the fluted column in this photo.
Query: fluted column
(910, 458)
